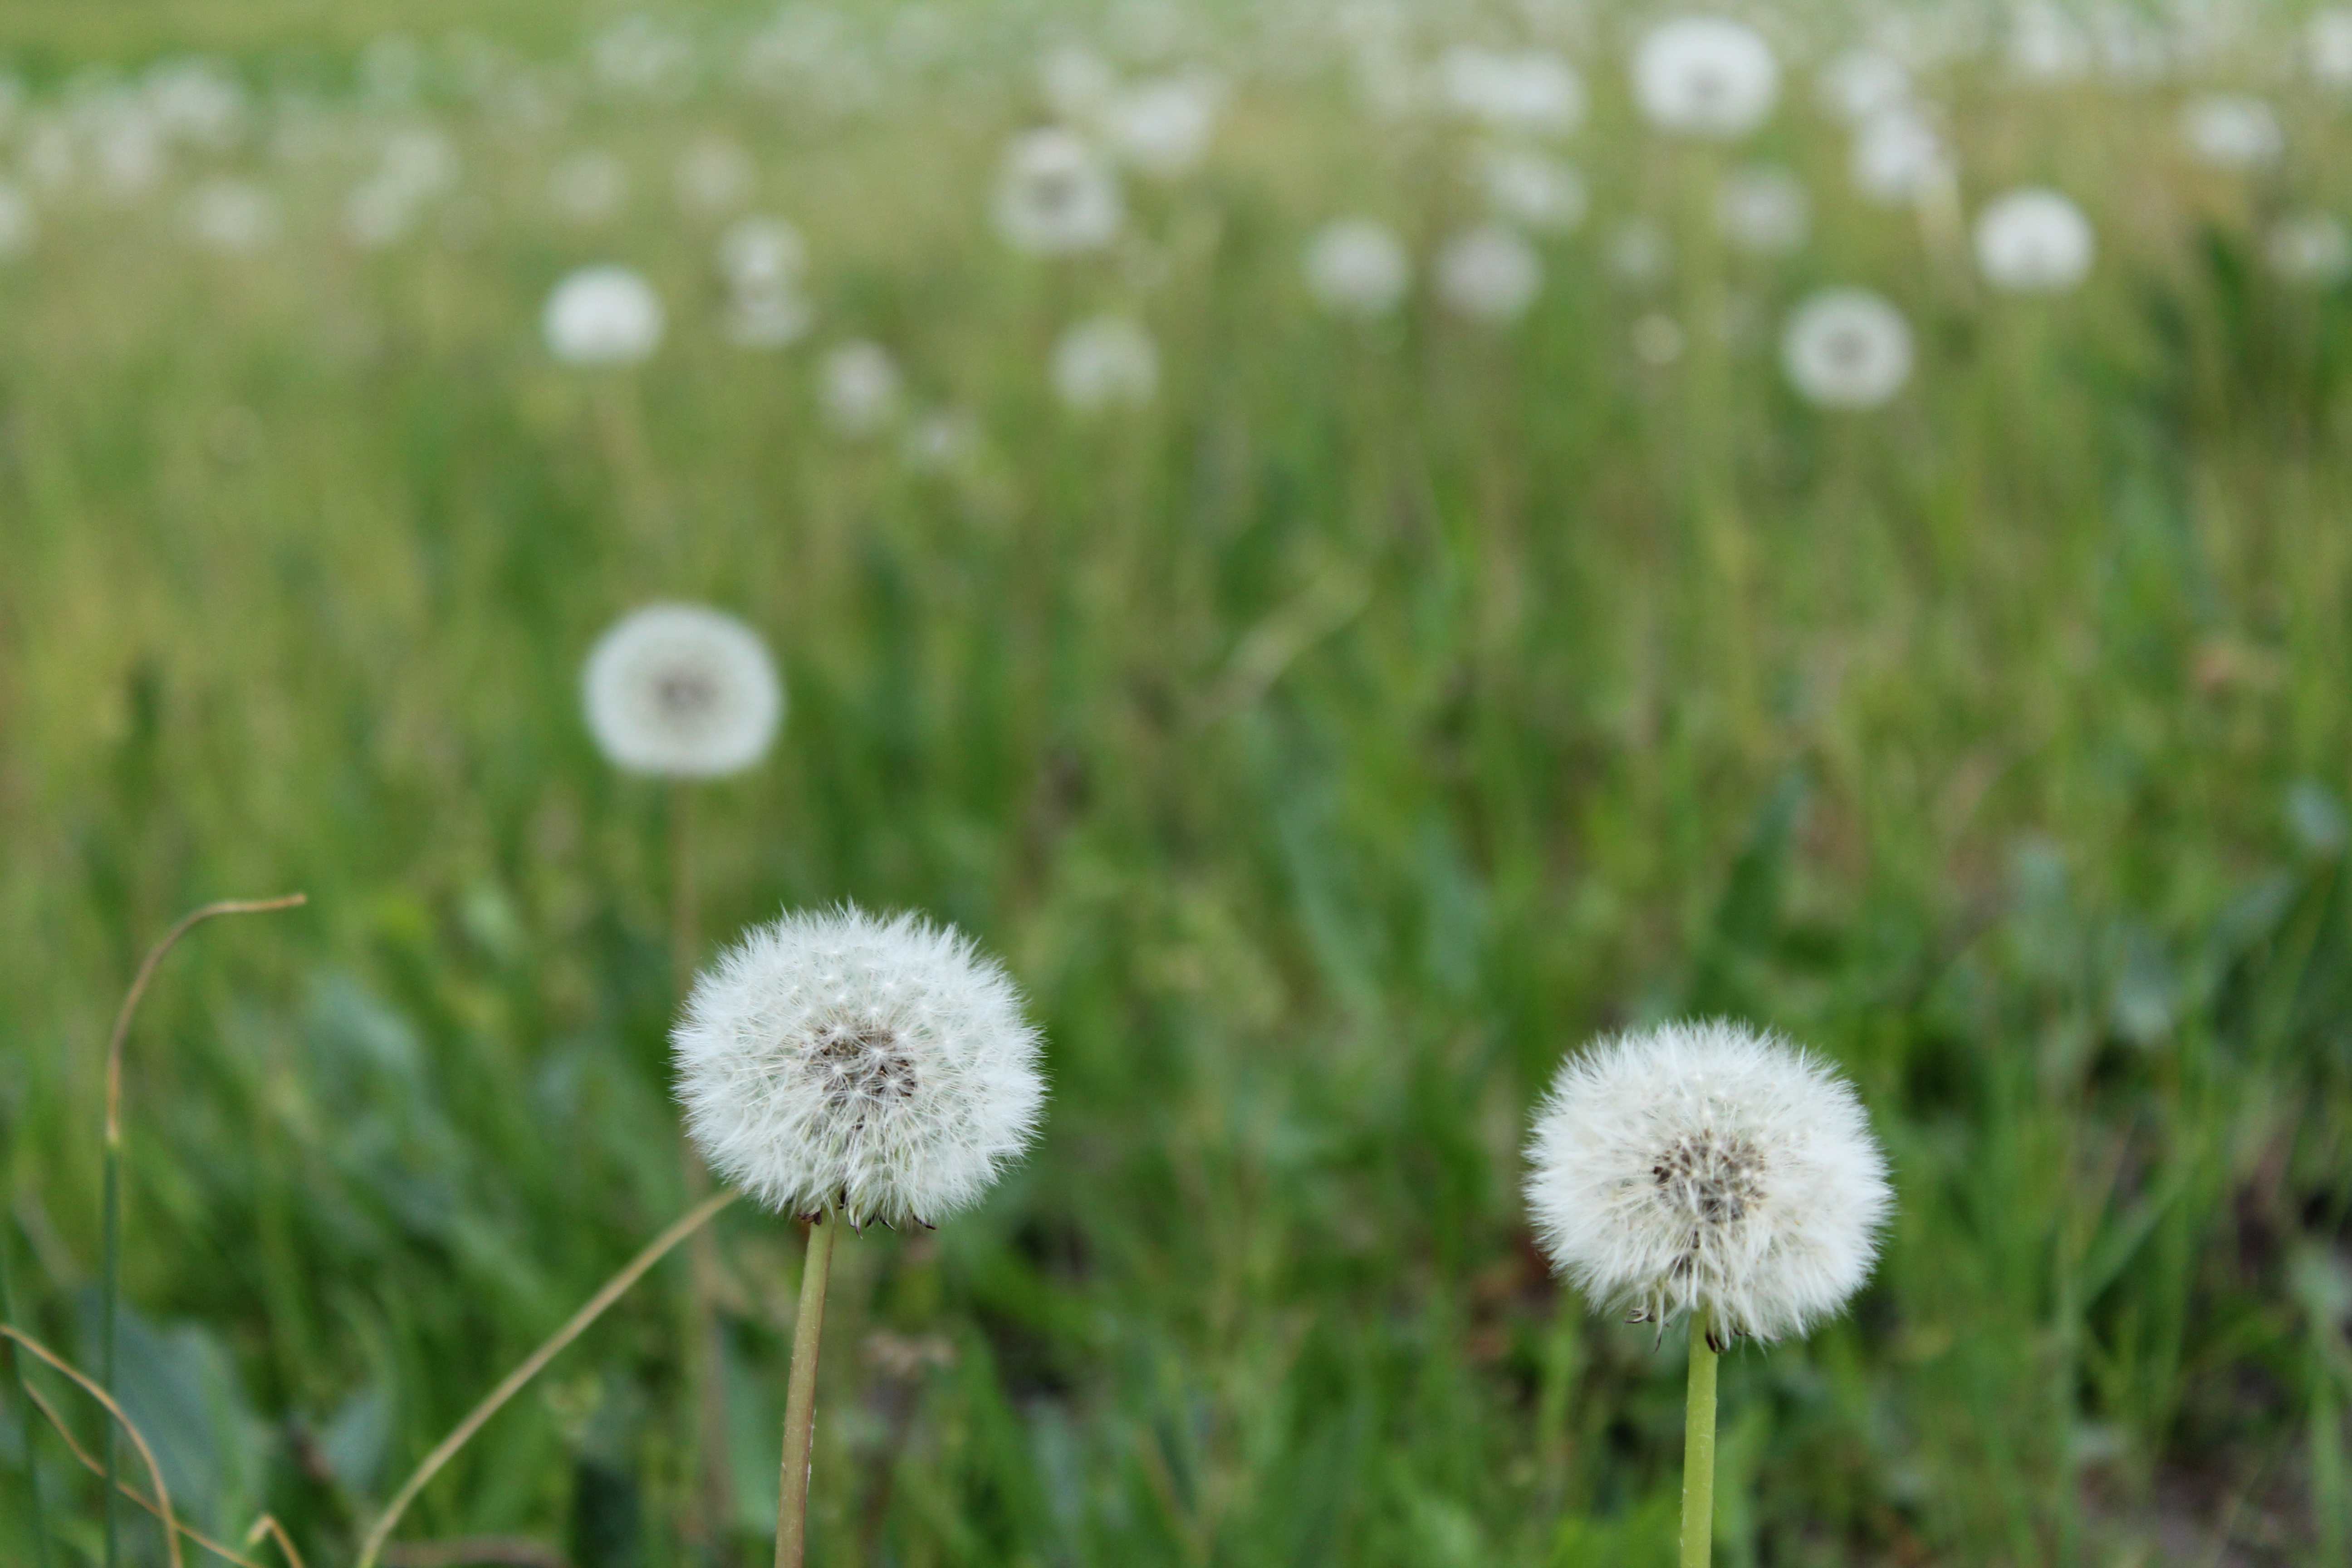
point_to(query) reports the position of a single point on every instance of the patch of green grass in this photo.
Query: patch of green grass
(1327, 748)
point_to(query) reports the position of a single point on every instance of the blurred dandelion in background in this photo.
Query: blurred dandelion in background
(1533, 189)
(1847, 348)
(1357, 266)
(603, 315)
(1764, 211)
(1162, 128)
(2033, 242)
(1108, 362)
(2311, 248)
(682, 691)
(1708, 77)
(1488, 274)
(1057, 195)
(2233, 131)
(859, 389)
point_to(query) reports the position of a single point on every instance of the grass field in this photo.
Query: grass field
(1328, 746)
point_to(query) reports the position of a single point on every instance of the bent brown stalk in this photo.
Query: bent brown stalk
(111, 1280)
(172, 1529)
(611, 1291)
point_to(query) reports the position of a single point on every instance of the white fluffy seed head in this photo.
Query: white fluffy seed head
(602, 316)
(880, 1068)
(682, 691)
(1707, 1166)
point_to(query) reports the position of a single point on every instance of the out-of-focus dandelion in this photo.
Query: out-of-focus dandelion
(604, 315)
(1847, 348)
(1488, 274)
(774, 316)
(939, 440)
(1357, 266)
(1527, 92)
(233, 216)
(762, 253)
(858, 387)
(1860, 83)
(1163, 127)
(713, 176)
(2035, 241)
(1897, 157)
(2233, 131)
(589, 188)
(2311, 248)
(1533, 190)
(1711, 1171)
(682, 691)
(2046, 45)
(1764, 211)
(853, 1069)
(2327, 46)
(1055, 195)
(1105, 363)
(1705, 76)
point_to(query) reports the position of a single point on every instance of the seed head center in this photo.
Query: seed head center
(1712, 1180)
(861, 1061)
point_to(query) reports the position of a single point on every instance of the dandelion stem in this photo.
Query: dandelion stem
(1698, 1446)
(799, 1401)
(111, 1266)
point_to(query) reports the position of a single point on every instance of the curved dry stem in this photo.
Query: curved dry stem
(611, 1291)
(83, 1456)
(139, 983)
(173, 1529)
(268, 1525)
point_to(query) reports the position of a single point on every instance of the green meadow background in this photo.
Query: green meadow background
(1327, 748)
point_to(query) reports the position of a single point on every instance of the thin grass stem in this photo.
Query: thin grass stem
(87, 1461)
(172, 1528)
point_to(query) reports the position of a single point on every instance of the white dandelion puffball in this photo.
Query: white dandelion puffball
(1164, 127)
(1707, 1167)
(2311, 248)
(1860, 83)
(1106, 363)
(603, 316)
(880, 1068)
(859, 387)
(762, 253)
(1357, 266)
(1075, 80)
(682, 691)
(1488, 274)
(1705, 76)
(767, 316)
(1528, 188)
(1847, 348)
(2233, 131)
(2034, 242)
(1764, 211)
(233, 216)
(2329, 46)
(1055, 195)
(713, 176)
(1527, 91)
(1897, 156)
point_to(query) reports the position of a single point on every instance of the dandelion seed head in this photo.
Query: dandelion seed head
(1357, 266)
(1105, 363)
(682, 691)
(1706, 76)
(1847, 348)
(604, 315)
(1488, 274)
(1055, 195)
(1707, 1166)
(878, 1065)
(2035, 241)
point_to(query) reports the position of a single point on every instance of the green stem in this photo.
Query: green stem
(37, 1510)
(800, 1400)
(1698, 1447)
(110, 1292)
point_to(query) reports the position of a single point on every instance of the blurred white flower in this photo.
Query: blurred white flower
(1533, 190)
(858, 387)
(418, 161)
(1847, 348)
(1861, 83)
(713, 176)
(1357, 266)
(19, 227)
(1163, 127)
(1658, 339)
(130, 154)
(605, 315)
(1488, 273)
(762, 252)
(590, 187)
(1638, 252)
(232, 215)
(877, 1068)
(1707, 1167)
(1705, 76)
(681, 691)
(1076, 81)
(2035, 241)
(1897, 157)
(767, 316)
(1764, 210)
(1522, 91)
(2329, 46)
(2048, 45)
(1108, 361)
(2233, 130)
(939, 440)
(1055, 195)
(2312, 248)
(642, 56)
(197, 101)
(378, 212)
